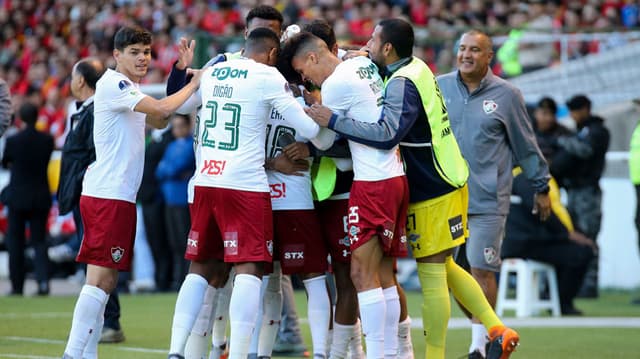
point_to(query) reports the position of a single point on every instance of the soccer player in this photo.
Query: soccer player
(260, 16)
(231, 209)
(415, 116)
(379, 194)
(297, 239)
(111, 182)
(488, 116)
(332, 186)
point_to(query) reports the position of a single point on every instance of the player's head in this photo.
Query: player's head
(262, 45)
(85, 75)
(579, 108)
(475, 51)
(264, 16)
(132, 51)
(392, 39)
(311, 57)
(28, 113)
(319, 28)
(324, 31)
(545, 114)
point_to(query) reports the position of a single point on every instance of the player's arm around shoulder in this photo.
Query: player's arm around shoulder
(158, 111)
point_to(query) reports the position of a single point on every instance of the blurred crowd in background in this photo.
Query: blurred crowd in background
(41, 40)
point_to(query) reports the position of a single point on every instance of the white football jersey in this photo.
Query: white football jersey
(118, 134)
(354, 90)
(237, 97)
(287, 191)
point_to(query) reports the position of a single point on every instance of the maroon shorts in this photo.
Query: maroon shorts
(379, 208)
(333, 217)
(298, 241)
(230, 225)
(109, 232)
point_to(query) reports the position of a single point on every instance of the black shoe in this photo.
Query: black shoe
(475, 355)
(175, 356)
(43, 289)
(571, 311)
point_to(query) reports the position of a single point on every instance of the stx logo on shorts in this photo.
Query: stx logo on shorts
(278, 190)
(231, 243)
(116, 254)
(455, 225)
(293, 255)
(213, 167)
(387, 233)
(192, 242)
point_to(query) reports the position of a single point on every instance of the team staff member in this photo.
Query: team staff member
(414, 111)
(490, 122)
(111, 182)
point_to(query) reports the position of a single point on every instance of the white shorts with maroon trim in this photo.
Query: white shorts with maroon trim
(229, 224)
(379, 208)
(109, 232)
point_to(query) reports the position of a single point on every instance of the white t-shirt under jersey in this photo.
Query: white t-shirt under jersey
(237, 97)
(354, 90)
(287, 191)
(118, 134)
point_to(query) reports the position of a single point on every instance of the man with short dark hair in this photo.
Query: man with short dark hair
(111, 182)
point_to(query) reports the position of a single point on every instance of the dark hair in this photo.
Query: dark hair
(299, 41)
(264, 12)
(28, 113)
(284, 66)
(261, 39)
(91, 70)
(579, 102)
(131, 35)
(399, 34)
(323, 30)
(547, 103)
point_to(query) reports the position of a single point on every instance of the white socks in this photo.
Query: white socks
(355, 345)
(272, 312)
(405, 346)
(91, 349)
(89, 307)
(243, 311)
(319, 307)
(223, 297)
(391, 321)
(373, 309)
(198, 343)
(479, 338)
(187, 308)
(342, 335)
